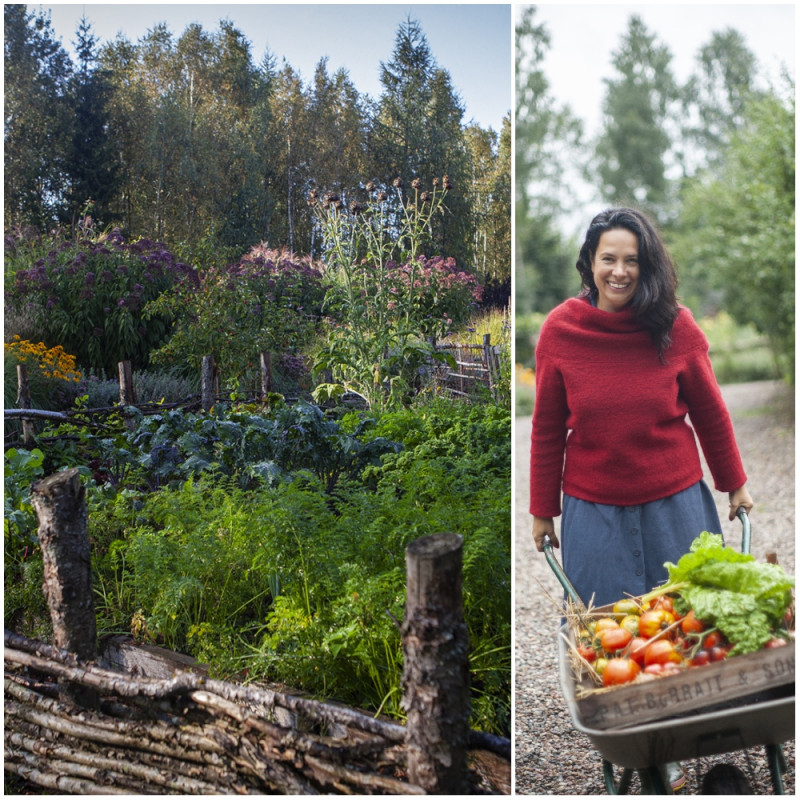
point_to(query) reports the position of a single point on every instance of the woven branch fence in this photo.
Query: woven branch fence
(74, 724)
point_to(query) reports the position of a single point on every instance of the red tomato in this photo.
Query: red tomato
(664, 602)
(776, 642)
(637, 648)
(700, 659)
(615, 639)
(619, 671)
(690, 623)
(719, 652)
(713, 639)
(660, 652)
(587, 651)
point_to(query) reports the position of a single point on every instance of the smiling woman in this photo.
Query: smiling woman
(617, 370)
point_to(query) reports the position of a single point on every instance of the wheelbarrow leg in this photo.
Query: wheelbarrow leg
(612, 787)
(777, 766)
(655, 781)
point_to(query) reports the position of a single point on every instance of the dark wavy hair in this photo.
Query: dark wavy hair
(655, 304)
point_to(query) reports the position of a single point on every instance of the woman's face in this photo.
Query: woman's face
(615, 268)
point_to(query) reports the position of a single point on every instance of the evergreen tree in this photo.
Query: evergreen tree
(716, 96)
(633, 151)
(93, 167)
(38, 120)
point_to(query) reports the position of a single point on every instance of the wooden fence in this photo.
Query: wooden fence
(475, 367)
(85, 719)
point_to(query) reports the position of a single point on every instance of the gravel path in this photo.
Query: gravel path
(551, 756)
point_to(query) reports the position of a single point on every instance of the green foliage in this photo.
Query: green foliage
(267, 301)
(87, 295)
(737, 226)
(276, 575)
(23, 602)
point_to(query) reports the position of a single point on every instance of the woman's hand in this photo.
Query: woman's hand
(543, 526)
(739, 499)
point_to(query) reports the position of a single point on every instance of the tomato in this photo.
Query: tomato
(619, 671)
(654, 621)
(614, 639)
(660, 652)
(587, 651)
(776, 642)
(604, 624)
(700, 659)
(690, 623)
(600, 665)
(626, 607)
(713, 639)
(630, 623)
(664, 602)
(654, 669)
(719, 652)
(637, 648)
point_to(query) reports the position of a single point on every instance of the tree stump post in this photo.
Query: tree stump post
(208, 387)
(24, 401)
(266, 374)
(126, 393)
(60, 504)
(436, 667)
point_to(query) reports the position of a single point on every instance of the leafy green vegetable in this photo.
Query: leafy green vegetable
(744, 599)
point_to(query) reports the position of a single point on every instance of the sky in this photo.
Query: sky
(471, 41)
(583, 37)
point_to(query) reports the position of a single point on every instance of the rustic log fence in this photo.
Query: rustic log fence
(75, 724)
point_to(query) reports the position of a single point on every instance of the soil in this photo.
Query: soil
(551, 756)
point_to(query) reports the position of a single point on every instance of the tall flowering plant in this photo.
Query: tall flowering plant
(386, 299)
(87, 294)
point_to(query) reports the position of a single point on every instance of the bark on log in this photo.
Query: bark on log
(60, 504)
(436, 670)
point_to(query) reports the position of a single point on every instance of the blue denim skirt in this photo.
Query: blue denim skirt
(609, 552)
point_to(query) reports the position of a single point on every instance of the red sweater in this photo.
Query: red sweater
(609, 423)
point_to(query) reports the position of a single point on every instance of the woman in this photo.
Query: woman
(618, 368)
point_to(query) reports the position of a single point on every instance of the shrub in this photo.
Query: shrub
(88, 294)
(267, 301)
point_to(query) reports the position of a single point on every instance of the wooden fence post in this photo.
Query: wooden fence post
(490, 358)
(436, 668)
(60, 504)
(266, 374)
(208, 382)
(126, 393)
(24, 401)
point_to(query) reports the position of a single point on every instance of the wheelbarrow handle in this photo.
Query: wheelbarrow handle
(741, 512)
(547, 548)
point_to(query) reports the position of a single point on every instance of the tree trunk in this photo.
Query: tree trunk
(60, 504)
(436, 671)
(208, 383)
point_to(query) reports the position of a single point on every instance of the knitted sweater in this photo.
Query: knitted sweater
(609, 422)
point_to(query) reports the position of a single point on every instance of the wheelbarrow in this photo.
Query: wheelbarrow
(648, 742)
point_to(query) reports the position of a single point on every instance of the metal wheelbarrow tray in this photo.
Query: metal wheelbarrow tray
(650, 730)
(741, 702)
